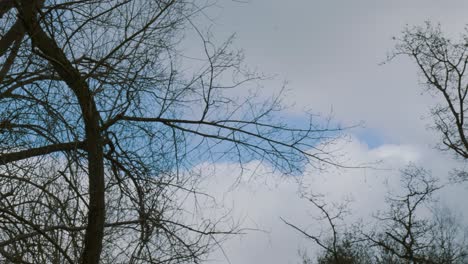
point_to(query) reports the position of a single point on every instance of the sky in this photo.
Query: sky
(330, 53)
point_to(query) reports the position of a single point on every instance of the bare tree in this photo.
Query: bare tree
(337, 245)
(101, 123)
(408, 231)
(403, 233)
(442, 63)
(448, 238)
(412, 231)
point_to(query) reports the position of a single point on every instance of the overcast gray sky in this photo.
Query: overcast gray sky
(329, 52)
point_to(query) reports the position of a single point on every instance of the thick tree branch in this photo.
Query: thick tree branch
(35, 152)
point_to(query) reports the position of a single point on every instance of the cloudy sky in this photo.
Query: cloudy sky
(330, 53)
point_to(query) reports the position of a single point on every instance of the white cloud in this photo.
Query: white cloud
(330, 51)
(262, 199)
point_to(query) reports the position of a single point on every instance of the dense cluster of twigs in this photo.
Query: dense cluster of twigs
(100, 125)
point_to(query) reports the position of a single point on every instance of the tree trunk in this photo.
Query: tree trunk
(94, 145)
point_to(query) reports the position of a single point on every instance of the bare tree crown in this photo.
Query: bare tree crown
(100, 124)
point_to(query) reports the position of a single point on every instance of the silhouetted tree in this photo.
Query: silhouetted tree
(442, 63)
(402, 234)
(448, 238)
(349, 250)
(401, 231)
(408, 231)
(337, 245)
(101, 123)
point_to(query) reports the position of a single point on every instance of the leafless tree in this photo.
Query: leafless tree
(403, 233)
(337, 245)
(412, 231)
(442, 63)
(408, 231)
(101, 123)
(448, 238)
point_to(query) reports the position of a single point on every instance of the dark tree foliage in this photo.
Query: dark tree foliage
(101, 123)
(348, 251)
